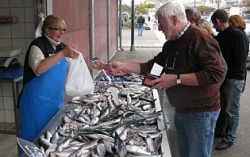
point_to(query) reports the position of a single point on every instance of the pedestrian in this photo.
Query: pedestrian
(140, 22)
(193, 16)
(45, 71)
(193, 71)
(234, 45)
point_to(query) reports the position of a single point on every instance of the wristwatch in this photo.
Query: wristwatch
(178, 80)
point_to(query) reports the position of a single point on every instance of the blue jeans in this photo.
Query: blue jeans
(140, 29)
(195, 133)
(228, 121)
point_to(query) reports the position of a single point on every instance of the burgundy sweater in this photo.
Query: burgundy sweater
(194, 52)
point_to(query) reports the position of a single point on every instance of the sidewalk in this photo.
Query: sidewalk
(150, 38)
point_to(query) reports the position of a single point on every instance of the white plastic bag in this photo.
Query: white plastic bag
(79, 80)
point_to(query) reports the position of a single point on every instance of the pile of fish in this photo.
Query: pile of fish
(121, 77)
(117, 120)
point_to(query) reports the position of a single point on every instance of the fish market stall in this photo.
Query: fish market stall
(119, 119)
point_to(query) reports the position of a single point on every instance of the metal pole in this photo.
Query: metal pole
(108, 30)
(120, 24)
(132, 48)
(218, 4)
(91, 32)
(194, 6)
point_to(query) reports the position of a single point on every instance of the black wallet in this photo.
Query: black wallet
(148, 78)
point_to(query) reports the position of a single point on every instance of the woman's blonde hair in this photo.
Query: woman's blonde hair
(237, 21)
(205, 25)
(53, 21)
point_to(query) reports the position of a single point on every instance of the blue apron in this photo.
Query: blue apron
(41, 98)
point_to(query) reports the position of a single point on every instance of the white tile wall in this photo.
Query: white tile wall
(15, 35)
(17, 30)
(7, 89)
(18, 43)
(5, 31)
(1, 91)
(2, 116)
(4, 3)
(5, 42)
(29, 15)
(16, 3)
(27, 43)
(4, 11)
(19, 12)
(8, 103)
(9, 116)
(28, 3)
(1, 103)
(29, 30)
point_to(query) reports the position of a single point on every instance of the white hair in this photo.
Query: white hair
(172, 8)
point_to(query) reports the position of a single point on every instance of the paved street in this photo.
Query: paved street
(150, 38)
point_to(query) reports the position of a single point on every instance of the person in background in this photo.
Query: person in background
(234, 45)
(148, 18)
(193, 16)
(193, 71)
(140, 22)
(205, 25)
(45, 71)
(237, 21)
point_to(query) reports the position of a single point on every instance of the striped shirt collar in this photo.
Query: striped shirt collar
(183, 30)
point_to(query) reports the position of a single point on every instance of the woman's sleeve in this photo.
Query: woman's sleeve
(35, 57)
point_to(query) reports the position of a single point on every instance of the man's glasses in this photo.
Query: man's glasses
(57, 29)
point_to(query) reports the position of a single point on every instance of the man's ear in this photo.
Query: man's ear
(217, 20)
(174, 19)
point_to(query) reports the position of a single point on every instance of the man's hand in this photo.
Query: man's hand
(164, 82)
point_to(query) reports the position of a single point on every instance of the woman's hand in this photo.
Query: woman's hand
(70, 52)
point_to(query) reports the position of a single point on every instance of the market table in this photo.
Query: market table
(58, 121)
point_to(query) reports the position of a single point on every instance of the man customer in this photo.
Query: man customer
(193, 71)
(234, 45)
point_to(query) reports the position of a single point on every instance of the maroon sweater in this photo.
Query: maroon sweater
(194, 52)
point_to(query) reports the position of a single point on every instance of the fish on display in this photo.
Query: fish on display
(117, 120)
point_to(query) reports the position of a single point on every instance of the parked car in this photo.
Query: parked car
(125, 16)
(247, 30)
(146, 27)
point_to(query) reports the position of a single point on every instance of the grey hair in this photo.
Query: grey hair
(172, 8)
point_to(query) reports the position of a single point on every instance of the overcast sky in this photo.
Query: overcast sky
(128, 2)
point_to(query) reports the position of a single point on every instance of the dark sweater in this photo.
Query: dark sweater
(234, 46)
(197, 53)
